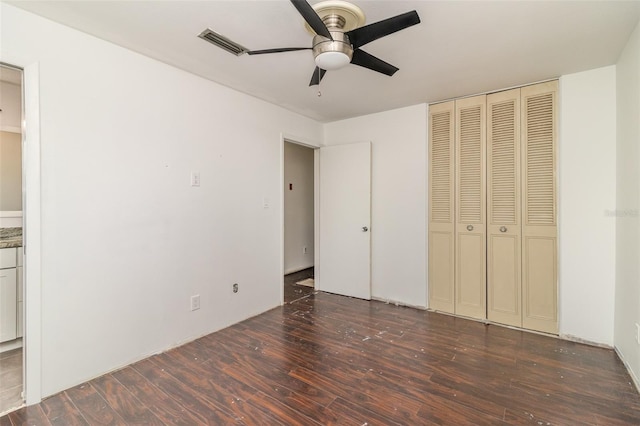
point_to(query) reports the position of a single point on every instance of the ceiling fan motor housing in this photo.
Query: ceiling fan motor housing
(332, 54)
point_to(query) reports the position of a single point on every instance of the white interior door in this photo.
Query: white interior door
(345, 216)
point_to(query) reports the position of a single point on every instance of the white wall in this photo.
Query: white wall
(125, 239)
(11, 106)
(10, 171)
(398, 215)
(628, 205)
(587, 199)
(10, 147)
(298, 207)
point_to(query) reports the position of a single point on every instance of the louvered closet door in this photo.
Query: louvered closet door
(441, 212)
(503, 209)
(539, 231)
(470, 275)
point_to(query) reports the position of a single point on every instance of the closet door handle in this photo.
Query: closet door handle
(503, 229)
(469, 227)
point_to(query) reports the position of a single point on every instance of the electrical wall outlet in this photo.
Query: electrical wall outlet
(195, 178)
(235, 288)
(195, 302)
(638, 333)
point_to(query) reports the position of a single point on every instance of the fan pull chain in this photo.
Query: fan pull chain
(319, 81)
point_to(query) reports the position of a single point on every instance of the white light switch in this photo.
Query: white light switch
(265, 203)
(195, 178)
(195, 302)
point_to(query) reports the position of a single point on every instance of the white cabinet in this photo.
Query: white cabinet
(8, 258)
(8, 294)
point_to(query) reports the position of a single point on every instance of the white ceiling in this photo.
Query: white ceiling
(460, 48)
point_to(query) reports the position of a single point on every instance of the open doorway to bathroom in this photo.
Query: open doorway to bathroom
(11, 247)
(298, 221)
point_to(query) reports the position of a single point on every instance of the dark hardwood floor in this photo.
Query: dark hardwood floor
(327, 359)
(292, 291)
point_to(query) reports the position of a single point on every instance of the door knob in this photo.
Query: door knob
(469, 227)
(365, 229)
(503, 229)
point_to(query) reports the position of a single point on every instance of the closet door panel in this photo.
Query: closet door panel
(504, 279)
(539, 231)
(471, 255)
(441, 254)
(540, 274)
(471, 270)
(441, 207)
(503, 209)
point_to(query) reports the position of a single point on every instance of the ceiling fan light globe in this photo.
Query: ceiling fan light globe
(332, 60)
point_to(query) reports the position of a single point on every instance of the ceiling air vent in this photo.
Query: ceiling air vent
(222, 42)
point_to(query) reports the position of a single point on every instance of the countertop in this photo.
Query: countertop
(10, 237)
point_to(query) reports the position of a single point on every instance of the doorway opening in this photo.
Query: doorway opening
(11, 240)
(299, 223)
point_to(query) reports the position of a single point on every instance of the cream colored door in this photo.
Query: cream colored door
(539, 230)
(441, 207)
(470, 259)
(503, 210)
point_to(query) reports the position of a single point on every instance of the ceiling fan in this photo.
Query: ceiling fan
(339, 36)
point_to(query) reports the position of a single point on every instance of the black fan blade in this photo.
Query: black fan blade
(283, 49)
(364, 59)
(317, 76)
(312, 18)
(363, 35)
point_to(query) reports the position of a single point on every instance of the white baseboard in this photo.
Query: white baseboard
(10, 345)
(577, 339)
(567, 337)
(296, 269)
(634, 378)
(393, 302)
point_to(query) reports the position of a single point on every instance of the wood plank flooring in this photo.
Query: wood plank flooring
(327, 359)
(10, 379)
(292, 291)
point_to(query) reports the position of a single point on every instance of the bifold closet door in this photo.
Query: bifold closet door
(539, 230)
(441, 207)
(470, 259)
(504, 296)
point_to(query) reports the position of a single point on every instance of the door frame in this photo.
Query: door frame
(285, 137)
(31, 222)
